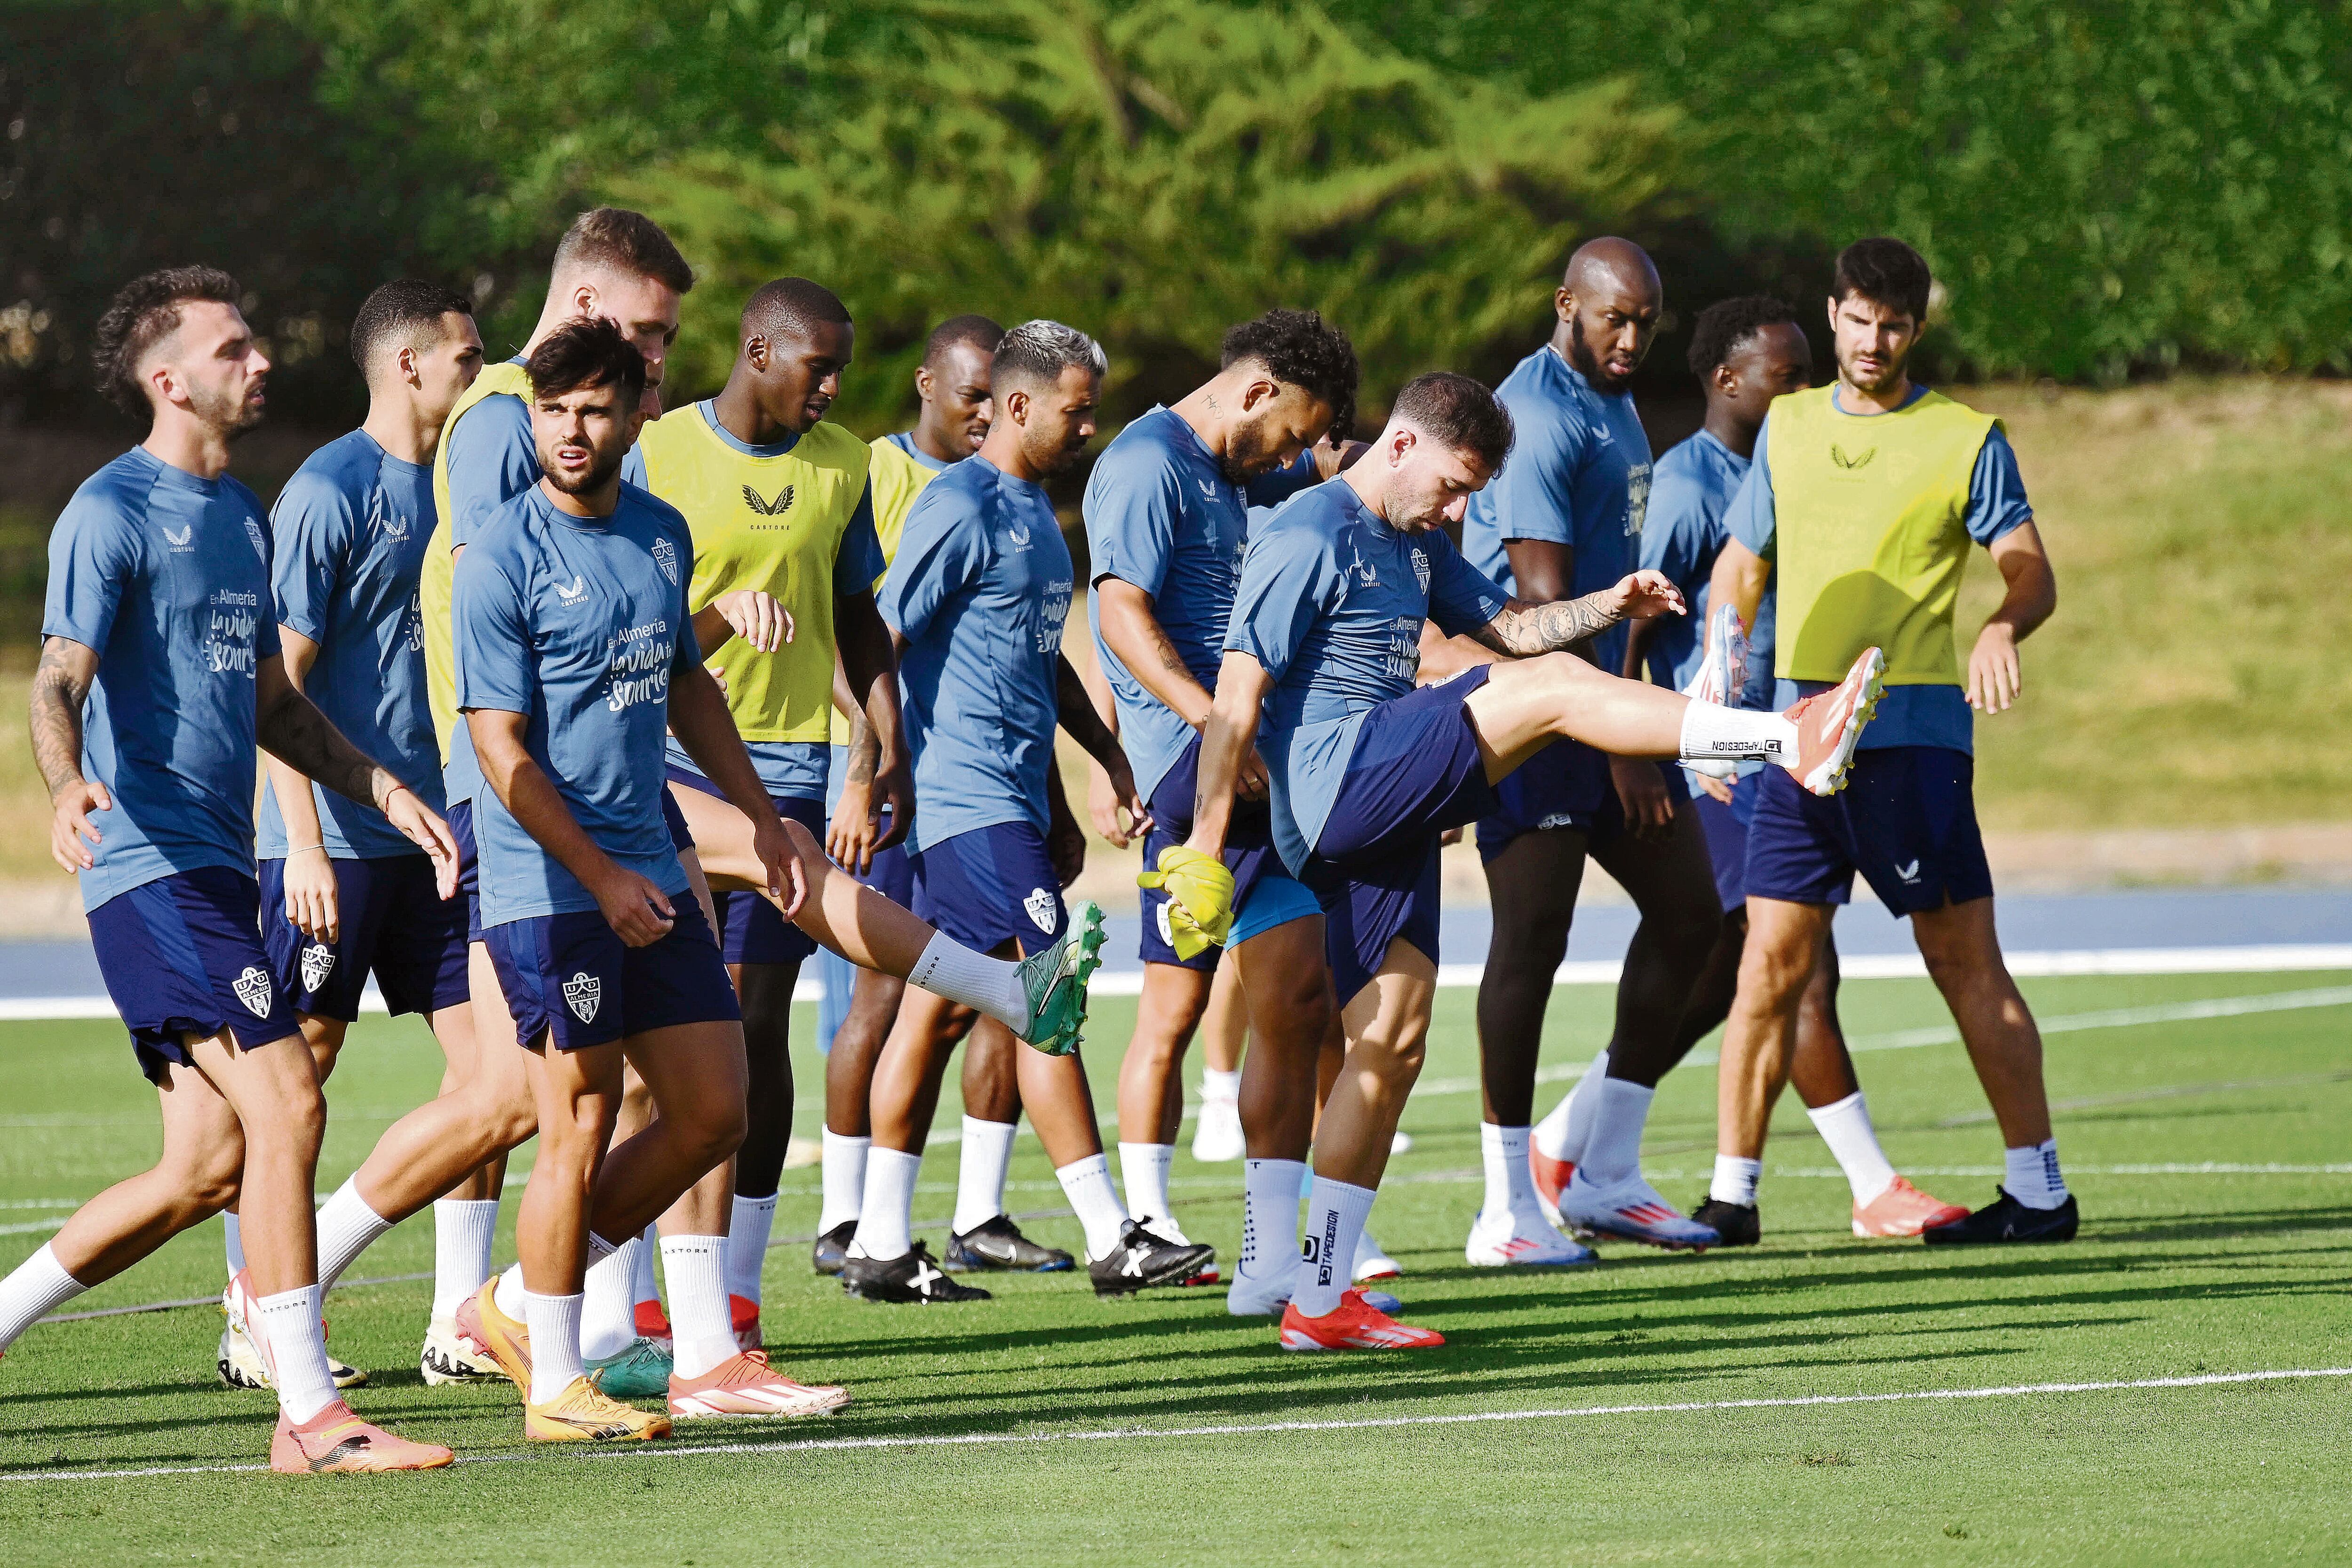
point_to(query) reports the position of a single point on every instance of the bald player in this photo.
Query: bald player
(1562, 520)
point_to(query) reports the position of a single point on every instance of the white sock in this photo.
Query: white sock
(555, 1353)
(1510, 1188)
(845, 1179)
(748, 1229)
(463, 1231)
(1563, 1135)
(1335, 1223)
(1845, 1128)
(233, 1244)
(1224, 1086)
(33, 1289)
(1613, 1152)
(346, 1227)
(696, 1267)
(2033, 1178)
(508, 1295)
(948, 968)
(294, 1342)
(885, 1220)
(981, 1159)
(608, 1319)
(1143, 1168)
(1086, 1184)
(1270, 1215)
(1709, 731)
(1734, 1180)
(646, 1288)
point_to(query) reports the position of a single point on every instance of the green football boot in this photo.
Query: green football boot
(1055, 981)
(639, 1371)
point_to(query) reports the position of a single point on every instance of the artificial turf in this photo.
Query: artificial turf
(2182, 1272)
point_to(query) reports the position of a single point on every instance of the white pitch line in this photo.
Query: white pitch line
(1260, 1428)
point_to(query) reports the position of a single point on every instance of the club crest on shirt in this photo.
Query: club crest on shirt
(1040, 905)
(1420, 568)
(260, 545)
(582, 993)
(318, 963)
(1160, 912)
(252, 989)
(775, 508)
(666, 557)
(1637, 498)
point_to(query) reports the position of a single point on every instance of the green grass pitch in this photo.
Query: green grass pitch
(2182, 1272)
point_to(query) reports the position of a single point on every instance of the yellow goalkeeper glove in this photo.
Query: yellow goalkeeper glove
(1199, 898)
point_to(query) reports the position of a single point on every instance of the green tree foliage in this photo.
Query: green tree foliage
(140, 135)
(2101, 184)
(1152, 173)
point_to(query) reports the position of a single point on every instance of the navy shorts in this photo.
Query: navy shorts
(470, 866)
(1907, 820)
(1249, 855)
(1415, 772)
(1565, 785)
(750, 929)
(570, 977)
(182, 955)
(394, 923)
(1726, 828)
(991, 887)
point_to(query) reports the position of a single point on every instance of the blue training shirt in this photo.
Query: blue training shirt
(1161, 515)
(1330, 602)
(578, 623)
(166, 577)
(1690, 489)
(981, 590)
(1578, 475)
(1907, 715)
(351, 531)
(798, 769)
(492, 459)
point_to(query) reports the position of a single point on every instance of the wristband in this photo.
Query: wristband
(302, 849)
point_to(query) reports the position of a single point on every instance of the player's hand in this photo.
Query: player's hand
(1122, 787)
(1199, 898)
(788, 879)
(756, 617)
(1102, 807)
(849, 838)
(1718, 789)
(1994, 675)
(420, 826)
(894, 785)
(70, 823)
(1253, 783)
(636, 908)
(313, 897)
(1644, 594)
(1642, 790)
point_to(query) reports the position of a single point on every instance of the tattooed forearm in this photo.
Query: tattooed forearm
(60, 685)
(294, 731)
(865, 751)
(1527, 629)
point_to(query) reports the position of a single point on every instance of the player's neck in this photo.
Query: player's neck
(187, 444)
(1852, 399)
(1208, 409)
(1002, 448)
(937, 444)
(593, 506)
(739, 414)
(1370, 481)
(1736, 435)
(394, 425)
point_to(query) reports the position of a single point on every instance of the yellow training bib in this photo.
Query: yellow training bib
(772, 523)
(440, 565)
(1871, 533)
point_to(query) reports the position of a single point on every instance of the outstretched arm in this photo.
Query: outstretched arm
(1226, 746)
(291, 728)
(1523, 629)
(60, 686)
(1994, 676)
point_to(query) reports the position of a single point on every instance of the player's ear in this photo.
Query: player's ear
(585, 300)
(923, 382)
(1563, 303)
(755, 350)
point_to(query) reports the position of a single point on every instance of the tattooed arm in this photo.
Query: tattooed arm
(291, 728)
(60, 686)
(1523, 629)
